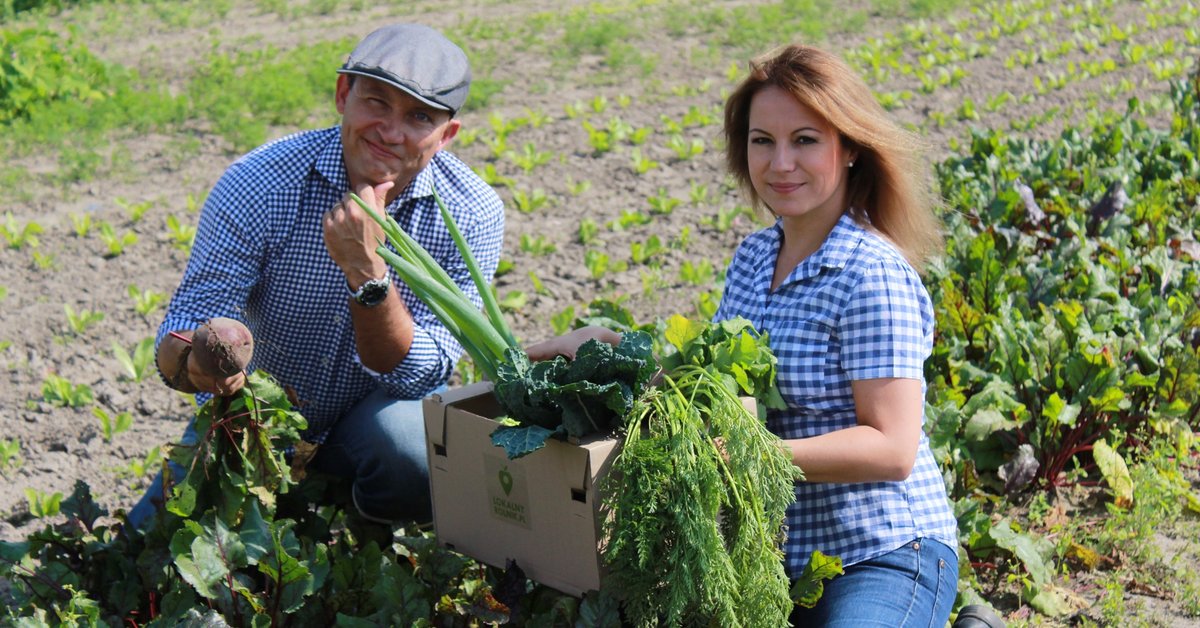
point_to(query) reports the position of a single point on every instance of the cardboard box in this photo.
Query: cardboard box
(542, 511)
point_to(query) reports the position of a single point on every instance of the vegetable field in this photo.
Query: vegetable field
(1064, 389)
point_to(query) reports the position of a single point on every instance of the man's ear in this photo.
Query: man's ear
(342, 92)
(450, 131)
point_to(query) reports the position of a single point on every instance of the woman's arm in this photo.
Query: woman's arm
(881, 448)
(567, 344)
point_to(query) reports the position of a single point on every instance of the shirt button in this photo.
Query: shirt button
(916, 545)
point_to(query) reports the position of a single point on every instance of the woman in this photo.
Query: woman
(834, 284)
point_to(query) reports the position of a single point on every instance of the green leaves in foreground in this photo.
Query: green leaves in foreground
(731, 349)
(698, 496)
(241, 543)
(583, 396)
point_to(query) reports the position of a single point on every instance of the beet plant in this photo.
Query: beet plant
(242, 540)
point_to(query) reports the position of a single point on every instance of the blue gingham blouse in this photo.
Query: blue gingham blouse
(259, 256)
(853, 310)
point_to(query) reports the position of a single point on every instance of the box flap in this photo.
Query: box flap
(435, 405)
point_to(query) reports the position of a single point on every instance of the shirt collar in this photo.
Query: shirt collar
(833, 253)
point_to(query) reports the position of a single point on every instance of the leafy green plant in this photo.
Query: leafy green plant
(44, 261)
(145, 302)
(136, 211)
(706, 304)
(536, 118)
(693, 457)
(562, 321)
(600, 140)
(20, 236)
(682, 240)
(684, 149)
(42, 66)
(529, 157)
(239, 539)
(182, 233)
(513, 301)
(42, 505)
(194, 203)
(644, 252)
(58, 391)
(698, 273)
(578, 187)
(632, 218)
(529, 202)
(492, 177)
(537, 246)
(642, 163)
(79, 322)
(588, 230)
(140, 362)
(725, 217)
(597, 263)
(112, 424)
(138, 469)
(538, 286)
(114, 243)
(81, 224)
(587, 395)
(10, 454)
(662, 203)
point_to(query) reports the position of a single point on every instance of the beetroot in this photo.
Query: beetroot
(223, 345)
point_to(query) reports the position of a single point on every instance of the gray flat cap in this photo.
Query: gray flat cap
(416, 59)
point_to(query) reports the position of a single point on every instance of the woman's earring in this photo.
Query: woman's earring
(850, 165)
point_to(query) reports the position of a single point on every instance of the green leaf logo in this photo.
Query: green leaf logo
(506, 481)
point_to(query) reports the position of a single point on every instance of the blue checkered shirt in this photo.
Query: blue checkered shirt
(853, 310)
(259, 256)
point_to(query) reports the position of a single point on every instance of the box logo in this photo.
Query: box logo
(506, 481)
(507, 491)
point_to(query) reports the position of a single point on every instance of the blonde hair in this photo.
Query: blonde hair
(889, 187)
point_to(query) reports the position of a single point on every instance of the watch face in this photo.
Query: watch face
(373, 292)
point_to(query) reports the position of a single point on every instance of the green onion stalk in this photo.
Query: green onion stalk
(484, 335)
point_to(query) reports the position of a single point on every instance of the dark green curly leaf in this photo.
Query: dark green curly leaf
(521, 441)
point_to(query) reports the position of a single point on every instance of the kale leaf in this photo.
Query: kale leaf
(574, 398)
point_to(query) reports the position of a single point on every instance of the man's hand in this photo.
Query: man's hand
(351, 235)
(185, 374)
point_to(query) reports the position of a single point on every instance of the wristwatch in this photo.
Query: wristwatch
(372, 292)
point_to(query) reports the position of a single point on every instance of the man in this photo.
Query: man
(281, 247)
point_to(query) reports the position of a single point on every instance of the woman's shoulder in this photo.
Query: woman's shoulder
(873, 251)
(759, 241)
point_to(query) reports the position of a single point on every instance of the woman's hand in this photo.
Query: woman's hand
(567, 344)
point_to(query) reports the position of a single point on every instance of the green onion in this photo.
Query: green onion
(484, 337)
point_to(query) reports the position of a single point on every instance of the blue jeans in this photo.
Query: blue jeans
(379, 444)
(909, 587)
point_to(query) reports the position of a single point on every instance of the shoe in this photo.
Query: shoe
(977, 616)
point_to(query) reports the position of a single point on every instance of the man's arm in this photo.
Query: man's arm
(383, 333)
(221, 270)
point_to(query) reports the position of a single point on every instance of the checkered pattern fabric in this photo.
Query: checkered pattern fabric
(259, 256)
(853, 310)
